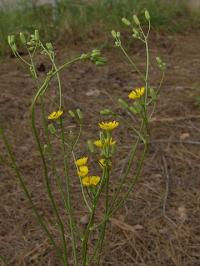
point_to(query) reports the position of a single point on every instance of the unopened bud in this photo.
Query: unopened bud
(79, 114)
(72, 114)
(106, 112)
(118, 34)
(52, 129)
(123, 103)
(49, 46)
(22, 38)
(37, 37)
(84, 56)
(126, 22)
(147, 16)
(114, 34)
(136, 20)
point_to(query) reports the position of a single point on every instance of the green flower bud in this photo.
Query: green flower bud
(135, 31)
(153, 94)
(96, 52)
(49, 46)
(11, 39)
(106, 112)
(84, 56)
(147, 16)
(14, 47)
(114, 34)
(22, 38)
(118, 34)
(126, 22)
(52, 129)
(79, 114)
(123, 103)
(37, 37)
(72, 114)
(136, 20)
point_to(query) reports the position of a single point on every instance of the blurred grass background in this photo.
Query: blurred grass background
(69, 18)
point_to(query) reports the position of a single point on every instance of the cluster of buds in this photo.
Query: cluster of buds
(30, 44)
(136, 28)
(116, 36)
(77, 115)
(33, 41)
(161, 64)
(95, 57)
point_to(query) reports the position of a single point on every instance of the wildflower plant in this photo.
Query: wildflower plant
(95, 188)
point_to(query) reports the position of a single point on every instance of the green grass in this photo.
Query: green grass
(72, 18)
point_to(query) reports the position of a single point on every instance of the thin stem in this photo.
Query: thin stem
(69, 196)
(49, 192)
(19, 177)
(103, 229)
(132, 62)
(135, 179)
(130, 162)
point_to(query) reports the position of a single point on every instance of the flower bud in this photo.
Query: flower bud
(106, 112)
(72, 114)
(22, 38)
(84, 56)
(114, 34)
(123, 103)
(79, 114)
(126, 22)
(49, 46)
(36, 35)
(52, 129)
(147, 16)
(136, 20)
(153, 94)
(118, 34)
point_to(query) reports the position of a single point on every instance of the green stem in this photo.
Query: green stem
(69, 196)
(132, 62)
(106, 218)
(19, 177)
(48, 187)
(135, 179)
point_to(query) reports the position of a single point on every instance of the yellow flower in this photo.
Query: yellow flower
(108, 125)
(83, 171)
(107, 141)
(82, 161)
(86, 181)
(90, 181)
(102, 163)
(95, 180)
(55, 115)
(137, 93)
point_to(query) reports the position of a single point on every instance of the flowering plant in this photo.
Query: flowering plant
(94, 188)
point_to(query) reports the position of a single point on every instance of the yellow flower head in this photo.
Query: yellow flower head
(108, 126)
(90, 181)
(95, 180)
(137, 93)
(82, 161)
(83, 171)
(105, 142)
(55, 115)
(102, 163)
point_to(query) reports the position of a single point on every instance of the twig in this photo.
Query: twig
(166, 173)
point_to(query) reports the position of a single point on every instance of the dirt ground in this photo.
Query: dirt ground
(159, 223)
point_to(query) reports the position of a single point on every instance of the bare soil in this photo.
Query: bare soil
(159, 223)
